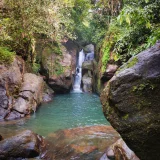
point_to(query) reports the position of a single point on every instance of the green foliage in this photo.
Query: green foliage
(35, 67)
(143, 87)
(132, 62)
(24, 20)
(135, 29)
(6, 56)
(106, 55)
(154, 37)
(56, 68)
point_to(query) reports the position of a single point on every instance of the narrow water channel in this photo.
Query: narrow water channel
(65, 111)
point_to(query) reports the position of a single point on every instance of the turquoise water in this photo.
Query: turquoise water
(65, 111)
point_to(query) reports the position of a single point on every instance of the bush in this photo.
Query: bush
(6, 56)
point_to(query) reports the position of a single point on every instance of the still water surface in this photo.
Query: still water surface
(65, 111)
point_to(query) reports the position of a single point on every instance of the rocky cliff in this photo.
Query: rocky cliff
(20, 92)
(58, 63)
(131, 103)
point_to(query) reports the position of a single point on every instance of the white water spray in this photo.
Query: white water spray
(78, 76)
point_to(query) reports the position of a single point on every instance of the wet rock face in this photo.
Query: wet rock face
(20, 93)
(131, 103)
(30, 95)
(89, 48)
(109, 73)
(89, 70)
(83, 143)
(10, 82)
(58, 69)
(48, 94)
(119, 151)
(87, 79)
(24, 145)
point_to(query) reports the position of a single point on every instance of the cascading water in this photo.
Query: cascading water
(78, 76)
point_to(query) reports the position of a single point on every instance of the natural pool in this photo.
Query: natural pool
(72, 124)
(65, 111)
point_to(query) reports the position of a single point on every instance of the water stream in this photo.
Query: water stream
(78, 75)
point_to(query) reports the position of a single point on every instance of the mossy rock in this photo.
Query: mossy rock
(131, 103)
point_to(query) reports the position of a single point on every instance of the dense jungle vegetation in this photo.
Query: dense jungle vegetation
(119, 28)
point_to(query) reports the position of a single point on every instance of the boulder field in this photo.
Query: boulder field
(131, 103)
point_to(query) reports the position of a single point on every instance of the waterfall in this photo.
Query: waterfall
(78, 75)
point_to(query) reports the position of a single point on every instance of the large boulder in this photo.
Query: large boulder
(87, 65)
(109, 72)
(47, 94)
(57, 68)
(89, 56)
(61, 80)
(20, 92)
(119, 151)
(89, 75)
(82, 143)
(89, 48)
(87, 83)
(30, 95)
(24, 145)
(10, 82)
(131, 103)
(87, 78)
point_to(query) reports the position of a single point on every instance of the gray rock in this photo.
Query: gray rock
(88, 76)
(104, 157)
(30, 95)
(24, 145)
(121, 151)
(47, 97)
(87, 83)
(14, 115)
(89, 48)
(58, 68)
(3, 113)
(89, 56)
(10, 82)
(109, 73)
(48, 94)
(131, 103)
(87, 65)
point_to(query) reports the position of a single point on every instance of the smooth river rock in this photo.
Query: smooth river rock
(131, 103)
(119, 151)
(82, 143)
(24, 145)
